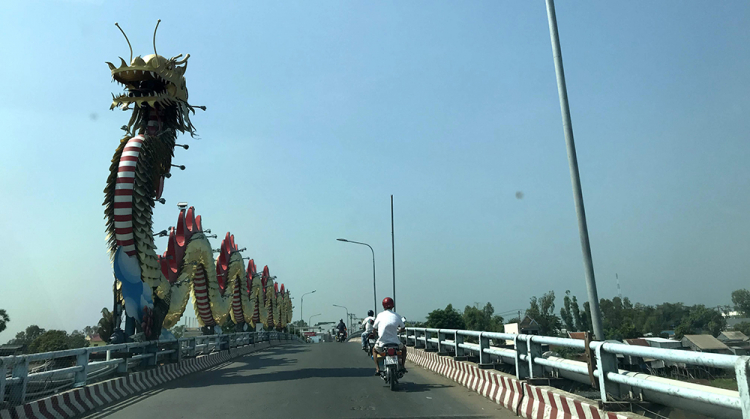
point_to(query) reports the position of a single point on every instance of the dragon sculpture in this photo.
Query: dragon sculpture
(153, 290)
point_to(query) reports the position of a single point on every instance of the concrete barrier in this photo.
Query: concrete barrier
(501, 388)
(81, 400)
(527, 401)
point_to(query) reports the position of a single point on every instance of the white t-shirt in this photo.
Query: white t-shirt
(366, 323)
(388, 324)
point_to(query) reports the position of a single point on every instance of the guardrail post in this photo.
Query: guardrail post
(417, 342)
(152, 349)
(2, 381)
(485, 362)
(522, 368)
(177, 355)
(225, 343)
(460, 352)
(534, 350)
(442, 346)
(427, 336)
(82, 360)
(606, 363)
(122, 367)
(18, 390)
(742, 373)
(407, 343)
(192, 347)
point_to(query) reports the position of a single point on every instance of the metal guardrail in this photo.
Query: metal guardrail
(613, 383)
(16, 373)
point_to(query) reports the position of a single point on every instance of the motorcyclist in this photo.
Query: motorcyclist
(367, 326)
(388, 325)
(341, 327)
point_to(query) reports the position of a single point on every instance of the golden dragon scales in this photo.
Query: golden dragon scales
(152, 289)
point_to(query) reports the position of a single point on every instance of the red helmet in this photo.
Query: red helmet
(388, 303)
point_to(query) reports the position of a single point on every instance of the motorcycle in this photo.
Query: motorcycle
(341, 336)
(369, 344)
(390, 360)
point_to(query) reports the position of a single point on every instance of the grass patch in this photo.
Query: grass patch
(726, 383)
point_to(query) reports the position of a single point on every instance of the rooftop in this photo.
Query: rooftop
(661, 340)
(705, 342)
(732, 335)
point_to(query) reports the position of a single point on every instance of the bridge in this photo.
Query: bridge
(452, 373)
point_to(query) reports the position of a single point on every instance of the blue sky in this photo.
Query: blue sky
(318, 112)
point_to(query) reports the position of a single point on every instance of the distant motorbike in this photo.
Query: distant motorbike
(389, 365)
(341, 336)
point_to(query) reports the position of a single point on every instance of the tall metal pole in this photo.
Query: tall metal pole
(374, 292)
(302, 304)
(596, 319)
(393, 254)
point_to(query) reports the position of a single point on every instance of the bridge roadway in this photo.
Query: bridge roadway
(325, 380)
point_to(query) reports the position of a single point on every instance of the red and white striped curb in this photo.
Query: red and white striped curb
(496, 386)
(530, 402)
(81, 400)
(548, 403)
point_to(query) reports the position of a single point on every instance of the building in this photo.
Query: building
(730, 338)
(738, 343)
(8, 350)
(637, 362)
(528, 326)
(705, 343)
(663, 343)
(95, 340)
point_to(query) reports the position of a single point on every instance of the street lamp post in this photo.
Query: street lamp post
(583, 230)
(374, 292)
(309, 324)
(301, 304)
(347, 314)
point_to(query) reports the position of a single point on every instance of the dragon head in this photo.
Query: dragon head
(150, 80)
(154, 82)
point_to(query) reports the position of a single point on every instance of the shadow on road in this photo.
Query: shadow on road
(231, 378)
(408, 387)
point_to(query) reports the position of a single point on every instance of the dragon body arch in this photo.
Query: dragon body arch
(153, 290)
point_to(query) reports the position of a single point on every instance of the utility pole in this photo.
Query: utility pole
(393, 254)
(562, 90)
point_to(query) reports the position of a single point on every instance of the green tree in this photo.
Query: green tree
(482, 319)
(743, 327)
(89, 330)
(4, 319)
(701, 320)
(543, 311)
(77, 339)
(105, 327)
(577, 315)
(566, 313)
(51, 340)
(445, 319)
(586, 318)
(27, 336)
(741, 301)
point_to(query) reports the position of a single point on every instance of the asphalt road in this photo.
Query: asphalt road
(324, 380)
